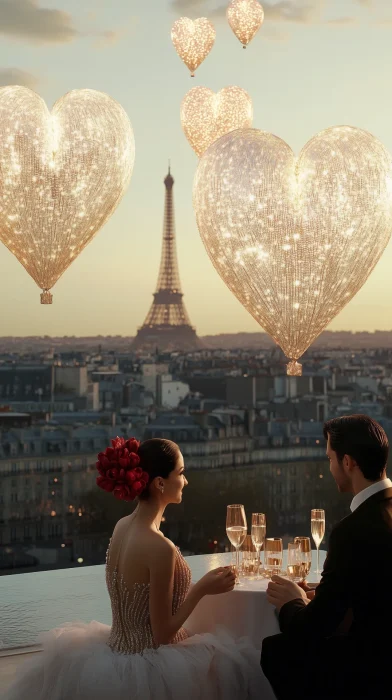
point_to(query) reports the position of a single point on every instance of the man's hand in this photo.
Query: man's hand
(309, 590)
(282, 590)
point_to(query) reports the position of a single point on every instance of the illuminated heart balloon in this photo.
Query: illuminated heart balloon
(206, 116)
(294, 239)
(62, 175)
(245, 18)
(193, 40)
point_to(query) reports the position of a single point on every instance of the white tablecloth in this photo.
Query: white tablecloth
(244, 611)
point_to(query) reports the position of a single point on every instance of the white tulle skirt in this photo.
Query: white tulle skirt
(77, 664)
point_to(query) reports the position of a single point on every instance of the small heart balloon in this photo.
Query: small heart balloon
(294, 239)
(206, 116)
(62, 175)
(245, 18)
(193, 40)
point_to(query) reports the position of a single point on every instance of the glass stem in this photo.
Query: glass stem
(237, 563)
(318, 561)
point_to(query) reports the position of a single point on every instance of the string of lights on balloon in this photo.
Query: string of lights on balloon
(245, 18)
(206, 116)
(63, 173)
(294, 239)
(193, 40)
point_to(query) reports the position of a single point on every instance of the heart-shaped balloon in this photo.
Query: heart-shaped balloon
(294, 239)
(62, 175)
(206, 116)
(245, 18)
(193, 40)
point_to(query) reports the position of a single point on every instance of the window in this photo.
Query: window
(55, 530)
(13, 534)
(14, 497)
(13, 482)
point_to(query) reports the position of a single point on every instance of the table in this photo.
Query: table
(245, 611)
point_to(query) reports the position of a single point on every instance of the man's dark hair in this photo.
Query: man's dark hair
(361, 438)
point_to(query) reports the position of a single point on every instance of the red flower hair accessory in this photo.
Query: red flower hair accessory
(119, 470)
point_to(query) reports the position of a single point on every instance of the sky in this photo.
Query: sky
(314, 64)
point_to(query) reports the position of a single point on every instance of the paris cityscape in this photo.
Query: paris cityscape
(248, 432)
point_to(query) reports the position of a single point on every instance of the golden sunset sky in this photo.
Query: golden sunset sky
(314, 64)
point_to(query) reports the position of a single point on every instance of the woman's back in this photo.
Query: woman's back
(127, 580)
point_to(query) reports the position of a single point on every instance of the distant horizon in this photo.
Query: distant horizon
(206, 335)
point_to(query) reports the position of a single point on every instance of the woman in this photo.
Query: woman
(146, 654)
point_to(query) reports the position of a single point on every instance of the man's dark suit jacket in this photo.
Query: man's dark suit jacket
(357, 584)
(357, 576)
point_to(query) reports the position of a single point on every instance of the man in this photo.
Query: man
(339, 644)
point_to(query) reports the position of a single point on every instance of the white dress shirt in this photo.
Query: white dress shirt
(362, 496)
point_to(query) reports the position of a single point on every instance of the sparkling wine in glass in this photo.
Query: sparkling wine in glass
(318, 531)
(306, 555)
(294, 561)
(236, 529)
(273, 555)
(258, 532)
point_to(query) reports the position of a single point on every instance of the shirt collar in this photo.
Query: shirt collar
(362, 496)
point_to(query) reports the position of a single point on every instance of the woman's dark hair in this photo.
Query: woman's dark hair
(158, 457)
(361, 438)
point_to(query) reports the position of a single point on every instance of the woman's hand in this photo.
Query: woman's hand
(217, 581)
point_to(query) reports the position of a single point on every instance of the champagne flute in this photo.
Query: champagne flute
(318, 531)
(249, 558)
(294, 561)
(306, 555)
(273, 555)
(258, 536)
(236, 528)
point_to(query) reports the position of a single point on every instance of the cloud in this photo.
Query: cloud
(342, 21)
(25, 19)
(15, 76)
(288, 11)
(110, 37)
(300, 11)
(305, 12)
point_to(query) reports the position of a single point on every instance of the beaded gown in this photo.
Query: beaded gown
(96, 662)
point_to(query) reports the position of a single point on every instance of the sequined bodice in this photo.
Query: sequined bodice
(131, 631)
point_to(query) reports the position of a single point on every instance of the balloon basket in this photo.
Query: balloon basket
(46, 297)
(294, 369)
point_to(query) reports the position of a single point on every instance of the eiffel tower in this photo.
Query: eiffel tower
(167, 325)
